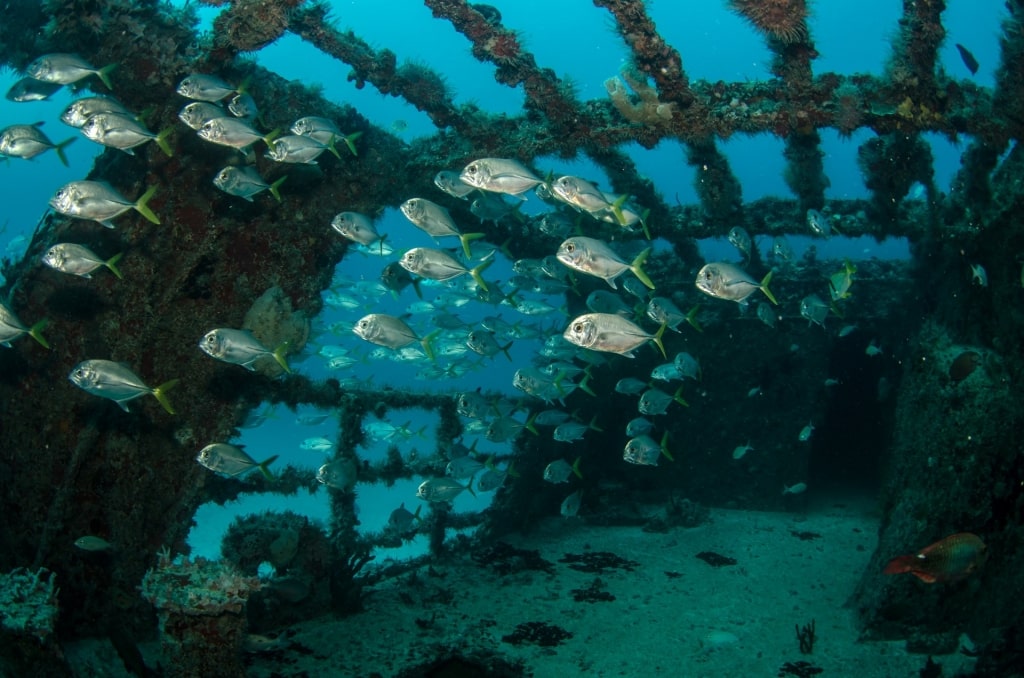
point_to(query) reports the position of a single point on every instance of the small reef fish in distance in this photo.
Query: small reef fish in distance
(947, 560)
(967, 58)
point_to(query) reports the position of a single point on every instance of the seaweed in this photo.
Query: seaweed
(598, 562)
(800, 669)
(537, 633)
(506, 559)
(593, 593)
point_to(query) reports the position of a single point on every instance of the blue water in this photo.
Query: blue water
(577, 41)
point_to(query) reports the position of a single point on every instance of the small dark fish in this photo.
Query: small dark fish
(968, 58)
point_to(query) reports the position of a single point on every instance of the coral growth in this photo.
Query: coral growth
(784, 20)
(28, 602)
(649, 110)
(249, 25)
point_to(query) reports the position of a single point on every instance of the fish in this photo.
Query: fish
(484, 343)
(124, 132)
(325, 131)
(798, 488)
(311, 419)
(967, 58)
(65, 69)
(819, 223)
(439, 265)
(655, 401)
(872, 349)
(571, 431)
(234, 133)
(687, 366)
(242, 105)
(740, 451)
(948, 560)
(245, 182)
(644, 451)
(28, 141)
(581, 194)
(473, 405)
(781, 248)
(766, 315)
(603, 301)
(740, 239)
(571, 504)
(725, 281)
(298, 149)
(493, 208)
(964, 365)
(465, 466)
(630, 386)
(99, 201)
(550, 418)
(434, 220)
(93, 544)
(30, 89)
(108, 379)
(806, 432)
(839, 283)
(638, 426)
(442, 489)
(79, 260)
(499, 175)
(662, 310)
(339, 474)
(449, 182)
(317, 444)
(205, 87)
(197, 113)
(666, 372)
(356, 227)
(391, 332)
(610, 333)
(239, 347)
(978, 274)
(814, 309)
(11, 328)
(78, 111)
(594, 257)
(559, 471)
(401, 519)
(396, 279)
(231, 460)
(493, 477)
(534, 382)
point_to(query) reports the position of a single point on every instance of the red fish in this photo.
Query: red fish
(949, 559)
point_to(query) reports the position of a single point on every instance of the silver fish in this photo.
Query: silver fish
(11, 328)
(630, 386)
(80, 110)
(499, 175)
(580, 193)
(242, 105)
(449, 182)
(316, 444)
(203, 87)
(78, 260)
(356, 227)
(571, 504)
(814, 309)
(687, 365)
(473, 405)
(401, 519)
(325, 131)
(442, 489)
(781, 248)
(65, 69)
(645, 451)
(123, 132)
(465, 466)
(534, 382)
(654, 401)
(484, 343)
(638, 427)
(245, 182)
(30, 89)
(340, 474)
(819, 223)
(559, 471)
(387, 330)
(434, 220)
(610, 333)
(108, 379)
(571, 431)
(28, 141)
(603, 301)
(99, 201)
(239, 347)
(231, 460)
(198, 113)
(297, 149)
(766, 315)
(555, 224)
(550, 418)
(439, 265)
(232, 132)
(740, 239)
(594, 257)
(664, 312)
(725, 281)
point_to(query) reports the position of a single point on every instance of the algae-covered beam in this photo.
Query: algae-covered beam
(651, 54)
(1009, 94)
(912, 67)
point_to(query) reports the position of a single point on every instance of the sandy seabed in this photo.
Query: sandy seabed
(673, 614)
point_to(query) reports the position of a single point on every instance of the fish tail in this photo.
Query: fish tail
(593, 425)
(616, 206)
(576, 468)
(279, 354)
(899, 565)
(264, 470)
(835, 309)
(691, 317)
(104, 75)
(275, 186)
(475, 272)
(332, 148)
(160, 393)
(678, 397)
(664, 447)
(469, 487)
(111, 263)
(425, 342)
(529, 424)
(416, 287)
(59, 150)
(638, 268)
(585, 384)
(36, 332)
(142, 208)
(350, 142)
(273, 134)
(467, 238)
(764, 288)
(643, 222)
(505, 348)
(657, 339)
(243, 87)
(161, 141)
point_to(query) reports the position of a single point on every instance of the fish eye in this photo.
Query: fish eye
(570, 247)
(578, 327)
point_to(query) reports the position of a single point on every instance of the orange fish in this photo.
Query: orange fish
(949, 559)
